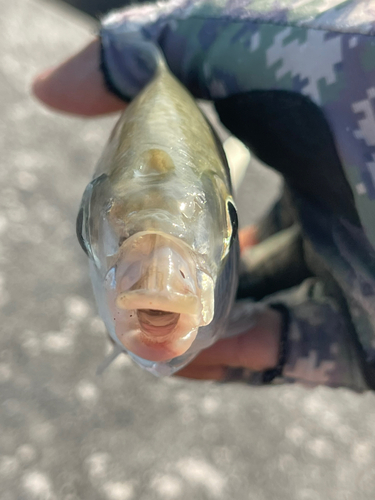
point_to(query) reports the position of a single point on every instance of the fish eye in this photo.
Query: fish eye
(232, 211)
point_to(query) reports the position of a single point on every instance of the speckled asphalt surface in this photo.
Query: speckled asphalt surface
(66, 434)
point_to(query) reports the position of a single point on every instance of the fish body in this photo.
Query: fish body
(159, 225)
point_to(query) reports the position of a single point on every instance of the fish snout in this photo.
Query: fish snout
(159, 298)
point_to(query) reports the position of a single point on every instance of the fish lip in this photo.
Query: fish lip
(184, 243)
(162, 349)
(175, 303)
(162, 352)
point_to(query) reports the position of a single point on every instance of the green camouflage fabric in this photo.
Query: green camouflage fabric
(324, 50)
(321, 346)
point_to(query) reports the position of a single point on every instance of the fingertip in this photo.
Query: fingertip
(256, 349)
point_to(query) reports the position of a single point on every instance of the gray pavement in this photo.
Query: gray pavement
(66, 434)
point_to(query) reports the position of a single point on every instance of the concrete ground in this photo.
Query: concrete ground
(66, 434)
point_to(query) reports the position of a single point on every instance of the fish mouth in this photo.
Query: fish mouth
(156, 323)
(161, 297)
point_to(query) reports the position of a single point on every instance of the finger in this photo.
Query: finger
(216, 373)
(77, 85)
(248, 237)
(257, 349)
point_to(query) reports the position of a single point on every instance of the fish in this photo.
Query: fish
(159, 224)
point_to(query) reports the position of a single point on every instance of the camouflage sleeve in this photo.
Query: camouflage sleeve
(281, 216)
(317, 346)
(320, 343)
(221, 48)
(277, 263)
(320, 348)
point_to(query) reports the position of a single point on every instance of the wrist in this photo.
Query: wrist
(284, 319)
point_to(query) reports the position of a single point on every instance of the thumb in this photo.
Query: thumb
(77, 85)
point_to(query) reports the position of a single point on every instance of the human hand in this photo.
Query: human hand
(256, 350)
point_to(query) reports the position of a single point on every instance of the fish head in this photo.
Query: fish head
(158, 238)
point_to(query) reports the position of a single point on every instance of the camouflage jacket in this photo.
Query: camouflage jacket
(238, 53)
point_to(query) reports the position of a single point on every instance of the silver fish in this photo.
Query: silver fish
(159, 225)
